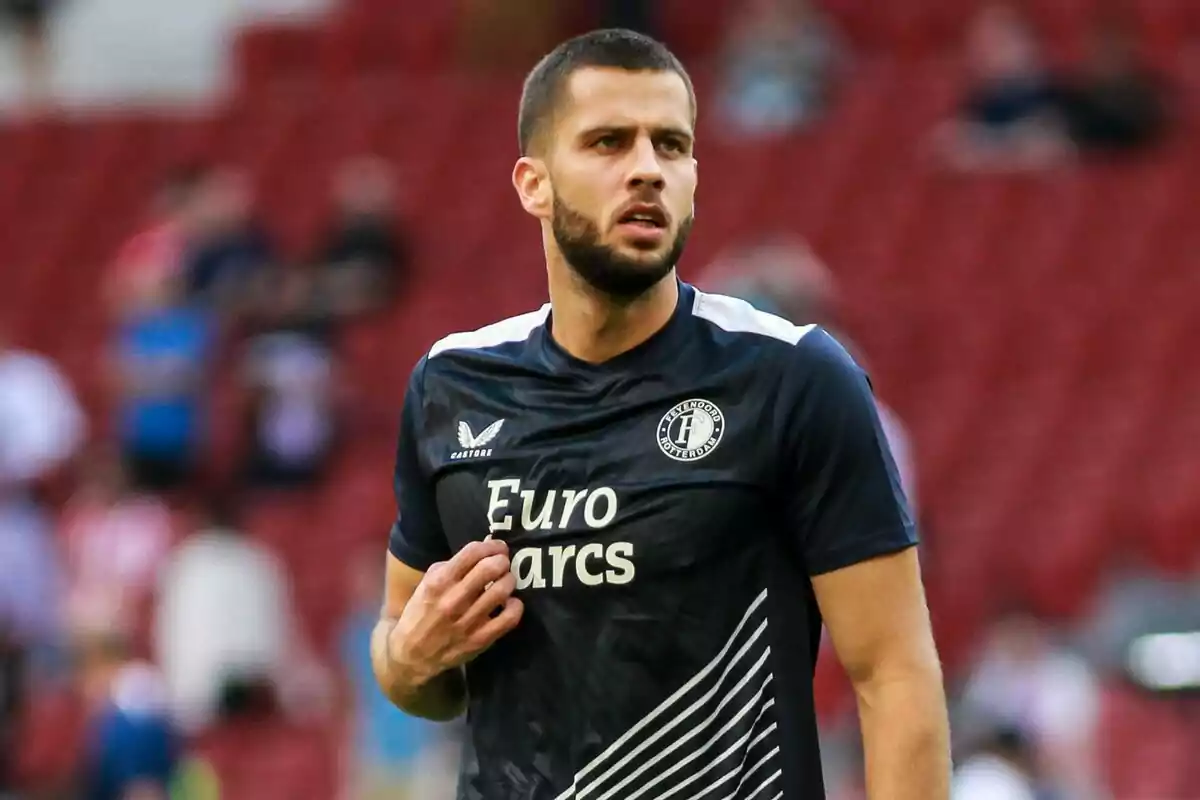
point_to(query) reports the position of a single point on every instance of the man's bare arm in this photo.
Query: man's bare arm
(879, 624)
(442, 697)
(434, 622)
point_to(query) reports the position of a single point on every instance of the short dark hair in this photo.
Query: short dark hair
(611, 47)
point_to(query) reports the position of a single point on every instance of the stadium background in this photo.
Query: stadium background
(1032, 330)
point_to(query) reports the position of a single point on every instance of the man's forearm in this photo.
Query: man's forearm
(440, 697)
(906, 737)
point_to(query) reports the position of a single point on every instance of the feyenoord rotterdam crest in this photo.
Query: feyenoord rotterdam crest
(691, 430)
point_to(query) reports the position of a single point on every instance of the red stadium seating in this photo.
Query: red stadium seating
(1034, 332)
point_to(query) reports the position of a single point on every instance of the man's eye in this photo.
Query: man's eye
(672, 146)
(606, 143)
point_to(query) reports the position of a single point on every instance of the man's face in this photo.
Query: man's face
(623, 177)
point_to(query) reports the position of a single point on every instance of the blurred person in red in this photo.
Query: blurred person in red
(226, 623)
(116, 541)
(364, 260)
(227, 252)
(1010, 118)
(291, 373)
(1024, 680)
(162, 359)
(779, 67)
(155, 252)
(131, 749)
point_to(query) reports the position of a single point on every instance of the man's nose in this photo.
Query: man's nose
(646, 171)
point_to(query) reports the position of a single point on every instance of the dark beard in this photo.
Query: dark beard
(601, 266)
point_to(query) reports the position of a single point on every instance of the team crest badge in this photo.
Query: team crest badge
(691, 430)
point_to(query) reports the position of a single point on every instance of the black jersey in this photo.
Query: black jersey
(664, 512)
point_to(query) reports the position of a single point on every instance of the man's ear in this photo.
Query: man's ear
(532, 182)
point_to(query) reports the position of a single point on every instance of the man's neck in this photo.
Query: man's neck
(595, 328)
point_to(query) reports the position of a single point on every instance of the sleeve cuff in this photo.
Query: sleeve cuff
(883, 543)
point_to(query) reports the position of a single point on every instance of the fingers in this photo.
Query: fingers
(491, 599)
(465, 559)
(458, 599)
(486, 634)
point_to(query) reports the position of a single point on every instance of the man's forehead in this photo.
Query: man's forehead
(598, 97)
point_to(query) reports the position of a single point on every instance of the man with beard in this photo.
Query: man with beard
(624, 517)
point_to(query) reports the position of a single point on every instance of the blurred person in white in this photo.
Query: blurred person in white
(365, 254)
(41, 426)
(779, 66)
(116, 541)
(1001, 768)
(227, 251)
(225, 618)
(161, 365)
(30, 19)
(1026, 681)
(132, 750)
(781, 274)
(396, 756)
(290, 371)
(1010, 118)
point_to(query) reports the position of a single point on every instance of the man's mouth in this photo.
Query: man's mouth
(646, 216)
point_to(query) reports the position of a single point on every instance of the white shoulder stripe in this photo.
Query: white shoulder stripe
(513, 329)
(738, 316)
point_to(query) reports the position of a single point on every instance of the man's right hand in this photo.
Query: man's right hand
(450, 618)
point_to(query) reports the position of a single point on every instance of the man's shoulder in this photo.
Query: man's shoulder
(490, 337)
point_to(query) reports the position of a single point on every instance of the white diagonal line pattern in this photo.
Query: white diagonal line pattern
(739, 722)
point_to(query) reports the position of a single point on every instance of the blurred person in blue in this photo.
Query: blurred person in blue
(779, 66)
(227, 252)
(397, 756)
(131, 750)
(163, 351)
(1010, 118)
(364, 259)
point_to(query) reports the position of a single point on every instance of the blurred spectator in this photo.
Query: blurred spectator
(1024, 681)
(155, 253)
(132, 749)
(30, 18)
(41, 424)
(1001, 769)
(227, 251)
(365, 255)
(30, 606)
(392, 749)
(225, 625)
(117, 540)
(1010, 118)
(290, 372)
(163, 350)
(779, 66)
(1115, 102)
(783, 276)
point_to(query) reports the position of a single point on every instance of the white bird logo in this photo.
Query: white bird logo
(470, 441)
